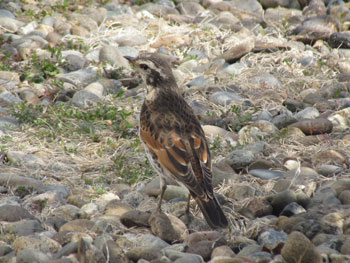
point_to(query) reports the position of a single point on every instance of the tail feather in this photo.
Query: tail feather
(212, 212)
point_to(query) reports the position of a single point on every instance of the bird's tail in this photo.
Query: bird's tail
(212, 212)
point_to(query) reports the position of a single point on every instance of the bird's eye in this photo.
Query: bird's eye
(144, 66)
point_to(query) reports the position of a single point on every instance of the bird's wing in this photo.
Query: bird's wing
(186, 158)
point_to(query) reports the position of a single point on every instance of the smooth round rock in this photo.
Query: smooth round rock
(167, 227)
(266, 174)
(292, 209)
(298, 248)
(223, 251)
(239, 158)
(29, 255)
(146, 252)
(314, 126)
(13, 213)
(78, 225)
(135, 218)
(112, 55)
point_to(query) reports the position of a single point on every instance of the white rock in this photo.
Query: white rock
(28, 28)
(234, 69)
(307, 113)
(144, 14)
(224, 98)
(291, 164)
(90, 209)
(340, 120)
(104, 199)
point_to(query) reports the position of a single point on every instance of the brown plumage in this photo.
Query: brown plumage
(173, 137)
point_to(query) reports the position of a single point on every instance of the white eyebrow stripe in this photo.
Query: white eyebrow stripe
(152, 66)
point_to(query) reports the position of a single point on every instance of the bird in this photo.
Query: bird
(173, 138)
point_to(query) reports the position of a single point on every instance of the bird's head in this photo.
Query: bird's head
(155, 71)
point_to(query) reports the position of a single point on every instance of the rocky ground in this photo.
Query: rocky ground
(270, 85)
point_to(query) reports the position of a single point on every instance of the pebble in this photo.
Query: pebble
(67, 212)
(180, 257)
(344, 197)
(167, 227)
(281, 199)
(111, 54)
(340, 40)
(340, 120)
(114, 252)
(292, 209)
(90, 95)
(66, 250)
(117, 208)
(10, 24)
(249, 250)
(307, 113)
(79, 78)
(223, 251)
(298, 248)
(241, 191)
(41, 243)
(234, 69)
(15, 181)
(284, 120)
(329, 157)
(23, 227)
(325, 195)
(14, 213)
(29, 255)
(138, 39)
(197, 82)
(78, 225)
(174, 192)
(213, 132)
(328, 170)
(266, 174)
(128, 51)
(7, 123)
(140, 239)
(257, 131)
(146, 252)
(26, 159)
(7, 97)
(74, 62)
(257, 207)
(135, 218)
(203, 248)
(271, 239)
(224, 98)
(321, 26)
(243, 44)
(314, 126)
(238, 159)
(89, 209)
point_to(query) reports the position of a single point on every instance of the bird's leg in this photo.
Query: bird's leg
(162, 191)
(187, 211)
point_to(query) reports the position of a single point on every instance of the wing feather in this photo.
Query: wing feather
(185, 158)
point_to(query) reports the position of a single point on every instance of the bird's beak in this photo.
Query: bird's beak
(132, 60)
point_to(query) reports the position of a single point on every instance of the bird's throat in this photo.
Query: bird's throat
(151, 93)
